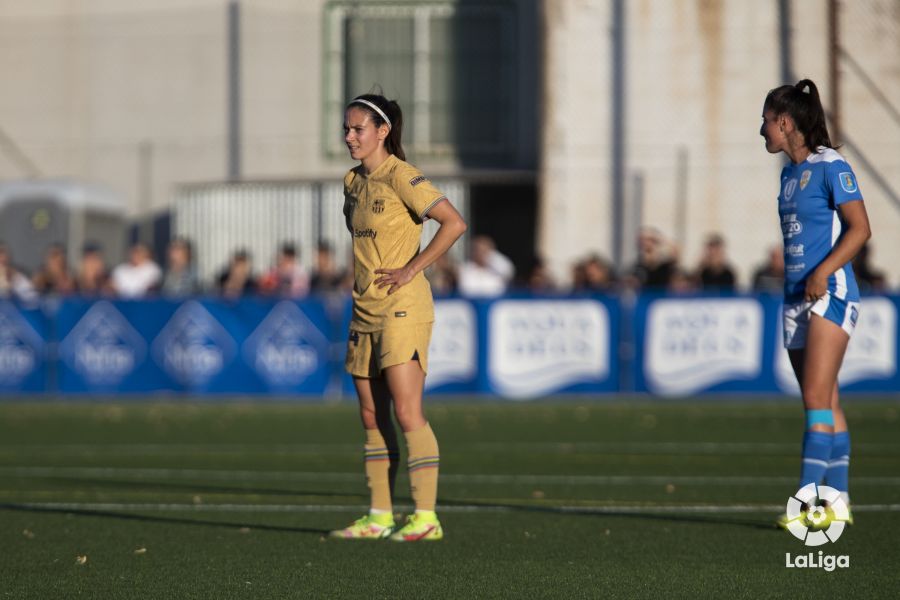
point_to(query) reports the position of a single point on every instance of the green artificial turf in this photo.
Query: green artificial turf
(542, 500)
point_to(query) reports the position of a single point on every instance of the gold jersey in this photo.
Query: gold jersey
(384, 211)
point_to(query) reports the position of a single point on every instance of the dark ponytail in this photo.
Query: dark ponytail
(392, 111)
(802, 103)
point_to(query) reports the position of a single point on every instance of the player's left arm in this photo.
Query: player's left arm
(856, 233)
(452, 227)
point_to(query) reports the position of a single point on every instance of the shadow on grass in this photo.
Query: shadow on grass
(157, 519)
(585, 512)
(595, 512)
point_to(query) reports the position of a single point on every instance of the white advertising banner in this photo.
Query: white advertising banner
(537, 347)
(692, 344)
(871, 353)
(453, 352)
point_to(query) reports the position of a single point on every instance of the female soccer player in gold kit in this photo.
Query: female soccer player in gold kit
(386, 200)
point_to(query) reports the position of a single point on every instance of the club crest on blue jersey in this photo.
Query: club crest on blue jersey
(848, 182)
(804, 178)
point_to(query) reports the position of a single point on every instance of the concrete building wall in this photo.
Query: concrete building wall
(133, 94)
(127, 93)
(697, 72)
(870, 117)
(575, 206)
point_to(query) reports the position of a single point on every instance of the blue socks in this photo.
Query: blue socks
(826, 456)
(816, 455)
(838, 473)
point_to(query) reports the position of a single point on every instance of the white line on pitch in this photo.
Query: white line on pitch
(457, 508)
(719, 448)
(237, 476)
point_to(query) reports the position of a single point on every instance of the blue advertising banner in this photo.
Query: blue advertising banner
(102, 350)
(513, 347)
(199, 346)
(23, 349)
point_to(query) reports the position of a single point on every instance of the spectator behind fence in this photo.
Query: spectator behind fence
(327, 277)
(180, 279)
(539, 280)
(287, 278)
(92, 278)
(657, 260)
(594, 274)
(13, 283)
(769, 277)
(237, 278)
(681, 282)
(442, 276)
(487, 273)
(137, 277)
(714, 272)
(869, 279)
(54, 276)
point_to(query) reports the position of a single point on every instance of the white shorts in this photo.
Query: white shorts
(796, 318)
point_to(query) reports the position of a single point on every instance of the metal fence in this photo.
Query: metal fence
(220, 218)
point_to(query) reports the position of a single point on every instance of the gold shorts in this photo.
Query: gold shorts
(368, 354)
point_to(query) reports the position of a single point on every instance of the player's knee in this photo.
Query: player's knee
(409, 416)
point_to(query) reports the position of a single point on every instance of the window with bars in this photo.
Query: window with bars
(450, 65)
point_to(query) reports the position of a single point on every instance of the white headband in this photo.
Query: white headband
(373, 107)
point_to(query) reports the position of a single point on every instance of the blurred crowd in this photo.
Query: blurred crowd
(487, 273)
(657, 268)
(140, 276)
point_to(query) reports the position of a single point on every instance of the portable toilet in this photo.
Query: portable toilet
(37, 213)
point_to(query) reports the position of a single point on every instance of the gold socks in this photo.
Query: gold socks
(381, 469)
(423, 462)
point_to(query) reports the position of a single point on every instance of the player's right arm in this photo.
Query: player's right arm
(452, 226)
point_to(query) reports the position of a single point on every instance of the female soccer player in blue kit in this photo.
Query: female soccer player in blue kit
(824, 224)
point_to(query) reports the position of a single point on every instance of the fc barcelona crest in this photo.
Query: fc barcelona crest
(378, 206)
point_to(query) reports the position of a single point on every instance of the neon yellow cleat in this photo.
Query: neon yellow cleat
(783, 520)
(423, 527)
(814, 519)
(364, 528)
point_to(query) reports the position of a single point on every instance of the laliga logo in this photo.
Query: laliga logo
(813, 523)
(817, 517)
